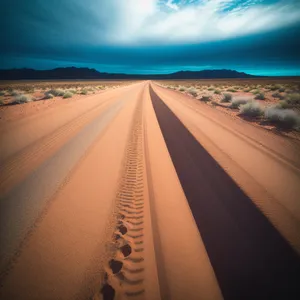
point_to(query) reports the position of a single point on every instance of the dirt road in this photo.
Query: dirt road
(143, 193)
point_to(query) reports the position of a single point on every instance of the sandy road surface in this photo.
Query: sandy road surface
(113, 197)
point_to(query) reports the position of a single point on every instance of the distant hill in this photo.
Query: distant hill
(86, 73)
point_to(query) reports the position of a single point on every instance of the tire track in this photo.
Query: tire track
(124, 272)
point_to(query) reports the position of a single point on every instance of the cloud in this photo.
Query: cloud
(202, 21)
(64, 23)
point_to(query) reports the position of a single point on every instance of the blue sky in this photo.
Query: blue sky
(152, 36)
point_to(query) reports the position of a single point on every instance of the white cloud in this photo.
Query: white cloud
(172, 5)
(164, 21)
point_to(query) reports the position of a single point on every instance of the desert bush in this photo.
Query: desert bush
(14, 93)
(19, 99)
(192, 91)
(72, 91)
(182, 89)
(293, 98)
(286, 118)
(255, 91)
(282, 89)
(251, 109)
(210, 89)
(232, 90)
(237, 101)
(1, 102)
(282, 105)
(84, 92)
(226, 97)
(56, 92)
(218, 92)
(205, 98)
(246, 90)
(260, 96)
(277, 95)
(2, 93)
(48, 96)
(67, 95)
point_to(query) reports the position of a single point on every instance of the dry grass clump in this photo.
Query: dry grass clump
(293, 99)
(260, 96)
(251, 109)
(286, 118)
(56, 92)
(192, 91)
(20, 99)
(84, 92)
(232, 90)
(205, 98)
(237, 101)
(226, 98)
(282, 104)
(67, 95)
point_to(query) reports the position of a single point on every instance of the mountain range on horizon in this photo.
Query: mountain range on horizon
(88, 73)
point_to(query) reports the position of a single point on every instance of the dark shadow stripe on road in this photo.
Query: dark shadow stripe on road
(250, 258)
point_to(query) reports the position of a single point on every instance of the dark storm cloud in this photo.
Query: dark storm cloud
(85, 32)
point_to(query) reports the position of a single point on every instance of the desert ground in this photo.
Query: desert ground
(150, 190)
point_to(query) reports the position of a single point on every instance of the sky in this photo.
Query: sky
(259, 37)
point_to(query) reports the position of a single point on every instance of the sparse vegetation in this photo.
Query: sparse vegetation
(293, 99)
(218, 92)
(232, 90)
(260, 96)
(67, 95)
(226, 97)
(286, 118)
(19, 99)
(205, 98)
(84, 92)
(56, 92)
(237, 101)
(282, 104)
(193, 92)
(251, 109)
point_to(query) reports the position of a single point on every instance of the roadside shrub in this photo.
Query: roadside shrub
(282, 105)
(260, 96)
(232, 90)
(48, 96)
(218, 92)
(286, 118)
(19, 99)
(282, 89)
(193, 92)
(1, 102)
(67, 95)
(247, 90)
(237, 101)
(2, 93)
(277, 95)
(255, 92)
(182, 89)
(56, 92)
(84, 92)
(205, 98)
(293, 98)
(14, 93)
(251, 109)
(210, 89)
(226, 97)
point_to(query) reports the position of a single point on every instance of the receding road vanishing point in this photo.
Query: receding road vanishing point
(142, 192)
